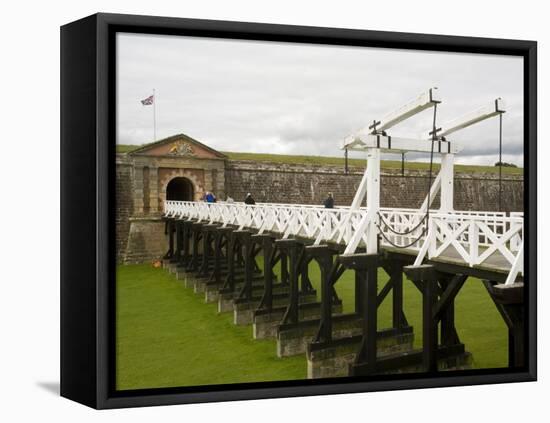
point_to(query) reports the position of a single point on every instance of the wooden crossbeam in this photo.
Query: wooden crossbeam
(448, 295)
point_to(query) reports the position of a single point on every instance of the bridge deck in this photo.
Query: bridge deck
(496, 262)
(489, 241)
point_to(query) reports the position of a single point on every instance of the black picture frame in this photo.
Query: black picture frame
(87, 212)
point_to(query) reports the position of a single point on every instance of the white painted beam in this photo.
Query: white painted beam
(361, 192)
(447, 183)
(397, 144)
(434, 189)
(373, 198)
(495, 108)
(422, 102)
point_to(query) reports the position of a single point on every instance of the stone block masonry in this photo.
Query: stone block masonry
(146, 240)
(286, 183)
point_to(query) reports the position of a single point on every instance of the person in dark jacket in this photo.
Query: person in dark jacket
(249, 199)
(329, 202)
(210, 197)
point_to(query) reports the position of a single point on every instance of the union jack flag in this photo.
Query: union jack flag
(148, 101)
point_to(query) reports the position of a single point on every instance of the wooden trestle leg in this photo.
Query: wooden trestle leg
(294, 251)
(196, 237)
(245, 240)
(509, 302)
(266, 242)
(366, 274)
(322, 254)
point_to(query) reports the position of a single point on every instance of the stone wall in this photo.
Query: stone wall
(273, 182)
(124, 206)
(146, 240)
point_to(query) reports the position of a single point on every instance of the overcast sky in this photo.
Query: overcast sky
(304, 99)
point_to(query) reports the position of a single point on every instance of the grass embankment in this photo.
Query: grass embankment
(339, 161)
(167, 336)
(386, 164)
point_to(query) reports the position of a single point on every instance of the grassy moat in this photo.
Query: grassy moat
(167, 336)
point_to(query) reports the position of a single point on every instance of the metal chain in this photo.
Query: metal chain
(408, 231)
(426, 217)
(403, 246)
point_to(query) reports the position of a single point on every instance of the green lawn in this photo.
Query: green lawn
(339, 161)
(167, 336)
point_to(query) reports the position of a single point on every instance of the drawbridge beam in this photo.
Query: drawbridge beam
(388, 144)
(422, 102)
(495, 108)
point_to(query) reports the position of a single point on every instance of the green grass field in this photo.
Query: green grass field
(339, 161)
(167, 336)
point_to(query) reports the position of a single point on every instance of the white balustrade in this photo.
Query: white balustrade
(475, 238)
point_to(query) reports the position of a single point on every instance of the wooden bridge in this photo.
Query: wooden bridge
(215, 248)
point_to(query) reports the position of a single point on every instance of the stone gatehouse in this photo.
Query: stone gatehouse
(182, 168)
(175, 168)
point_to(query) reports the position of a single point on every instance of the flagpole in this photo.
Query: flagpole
(154, 116)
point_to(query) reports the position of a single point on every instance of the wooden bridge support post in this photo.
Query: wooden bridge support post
(245, 240)
(450, 287)
(179, 239)
(169, 230)
(305, 284)
(509, 302)
(291, 248)
(284, 268)
(219, 234)
(266, 241)
(358, 294)
(196, 237)
(186, 235)
(398, 315)
(323, 256)
(366, 271)
(425, 276)
(206, 250)
(229, 284)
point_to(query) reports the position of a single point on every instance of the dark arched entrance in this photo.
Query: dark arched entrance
(179, 189)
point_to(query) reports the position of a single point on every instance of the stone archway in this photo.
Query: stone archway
(180, 189)
(192, 177)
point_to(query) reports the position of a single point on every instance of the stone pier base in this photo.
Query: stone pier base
(211, 292)
(292, 339)
(243, 311)
(461, 361)
(265, 323)
(225, 302)
(182, 276)
(334, 359)
(199, 286)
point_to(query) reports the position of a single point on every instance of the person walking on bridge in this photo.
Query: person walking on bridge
(249, 200)
(210, 197)
(329, 201)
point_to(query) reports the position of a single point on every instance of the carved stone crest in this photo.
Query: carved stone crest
(181, 148)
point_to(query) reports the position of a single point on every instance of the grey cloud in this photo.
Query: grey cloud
(303, 99)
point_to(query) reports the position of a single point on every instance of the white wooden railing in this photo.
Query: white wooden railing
(474, 238)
